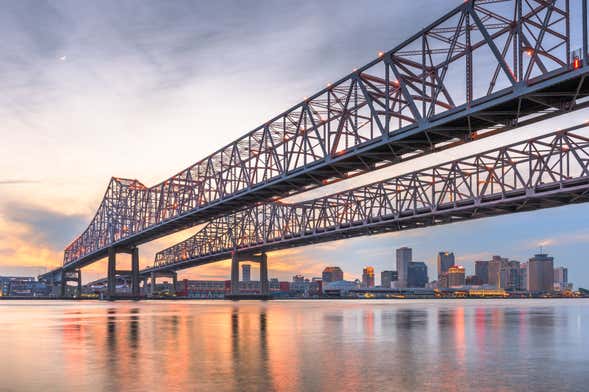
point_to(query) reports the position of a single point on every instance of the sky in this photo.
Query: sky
(143, 89)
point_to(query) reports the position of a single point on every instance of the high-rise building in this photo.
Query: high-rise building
(404, 257)
(387, 278)
(495, 270)
(246, 272)
(473, 280)
(481, 268)
(445, 261)
(456, 276)
(540, 273)
(523, 276)
(332, 274)
(561, 278)
(368, 277)
(417, 274)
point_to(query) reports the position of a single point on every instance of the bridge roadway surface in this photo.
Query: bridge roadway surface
(517, 66)
(547, 171)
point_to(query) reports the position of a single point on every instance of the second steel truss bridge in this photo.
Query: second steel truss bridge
(486, 66)
(547, 171)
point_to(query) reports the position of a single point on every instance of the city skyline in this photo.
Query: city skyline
(55, 194)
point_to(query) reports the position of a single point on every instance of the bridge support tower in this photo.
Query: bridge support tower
(150, 289)
(70, 276)
(262, 259)
(111, 291)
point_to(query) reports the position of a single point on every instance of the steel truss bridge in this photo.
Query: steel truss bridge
(485, 67)
(547, 171)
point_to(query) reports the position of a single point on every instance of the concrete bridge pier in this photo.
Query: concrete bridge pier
(112, 273)
(154, 275)
(70, 276)
(262, 259)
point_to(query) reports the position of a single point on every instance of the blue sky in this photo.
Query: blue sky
(142, 89)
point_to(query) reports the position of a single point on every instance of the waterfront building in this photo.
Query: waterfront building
(368, 277)
(22, 286)
(456, 276)
(473, 280)
(340, 288)
(404, 257)
(561, 278)
(445, 261)
(246, 272)
(523, 276)
(481, 268)
(387, 278)
(332, 274)
(540, 273)
(495, 270)
(417, 274)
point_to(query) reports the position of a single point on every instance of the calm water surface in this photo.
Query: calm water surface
(425, 345)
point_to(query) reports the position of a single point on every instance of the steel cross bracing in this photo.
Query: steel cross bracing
(485, 66)
(548, 171)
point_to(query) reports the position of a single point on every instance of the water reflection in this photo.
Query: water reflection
(297, 345)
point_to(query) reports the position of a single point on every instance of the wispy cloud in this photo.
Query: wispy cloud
(17, 182)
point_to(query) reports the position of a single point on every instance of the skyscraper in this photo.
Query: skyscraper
(368, 277)
(456, 276)
(481, 268)
(540, 273)
(404, 257)
(417, 274)
(561, 278)
(523, 276)
(387, 278)
(332, 274)
(246, 272)
(495, 270)
(445, 261)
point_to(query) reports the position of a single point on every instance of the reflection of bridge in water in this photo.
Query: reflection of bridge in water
(484, 68)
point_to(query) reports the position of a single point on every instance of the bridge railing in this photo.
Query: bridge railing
(555, 161)
(481, 49)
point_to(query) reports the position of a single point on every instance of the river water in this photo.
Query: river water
(370, 345)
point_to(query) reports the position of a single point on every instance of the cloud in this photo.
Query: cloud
(43, 225)
(17, 182)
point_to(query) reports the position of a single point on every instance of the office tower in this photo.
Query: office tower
(523, 276)
(495, 265)
(417, 274)
(404, 257)
(246, 272)
(510, 278)
(445, 261)
(387, 278)
(473, 280)
(456, 276)
(561, 278)
(332, 274)
(481, 268)
(540, 273)
(368, 277)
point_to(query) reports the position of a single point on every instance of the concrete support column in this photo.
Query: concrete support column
(234, 274)
(264, 285)
(135, 272)
(152, 285)
(62, 285)
(174, 282)
(111, 274)
(79, 283)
